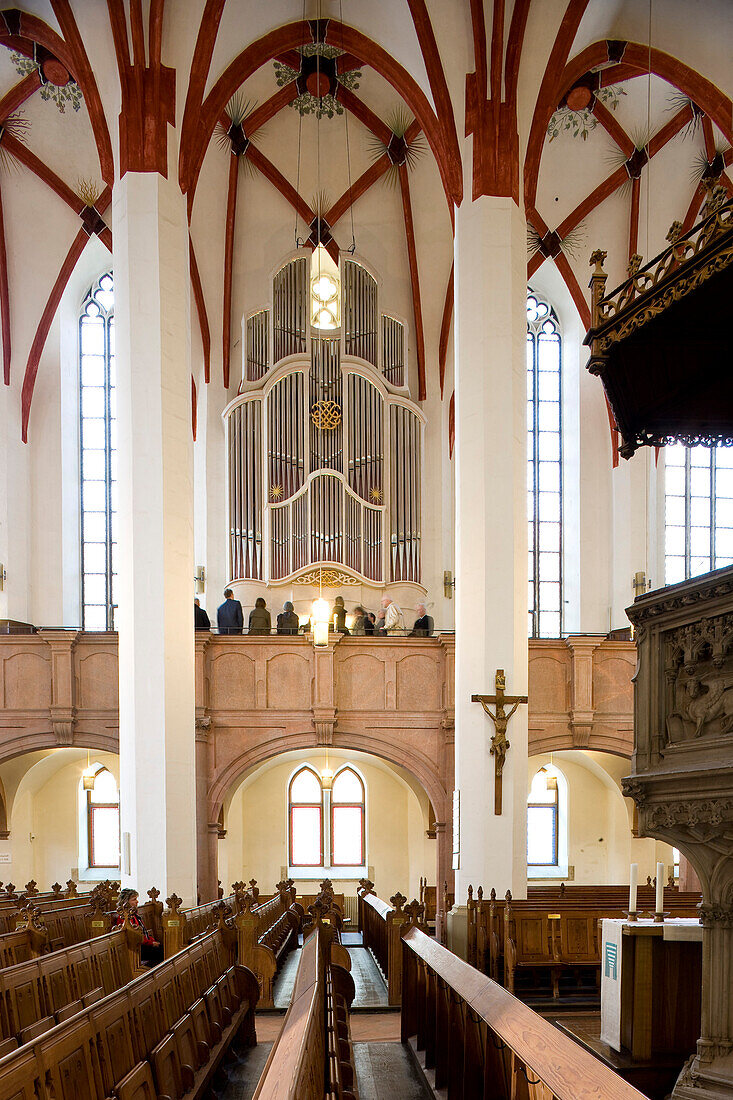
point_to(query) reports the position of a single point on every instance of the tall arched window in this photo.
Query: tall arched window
(327, 822)
(547, 824)
(544, 468)
(347, 820)
(98, 450)
(103, 821)
(306, 819)
(698, 510)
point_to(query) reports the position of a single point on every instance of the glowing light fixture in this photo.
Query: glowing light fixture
(325, 291)
(327, 778)
(320, 616)
(88, 776)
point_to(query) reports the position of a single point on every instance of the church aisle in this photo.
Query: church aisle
(385, 1071)
(371, 991)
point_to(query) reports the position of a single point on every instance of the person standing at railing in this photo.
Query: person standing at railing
(423, 625)
(394, 620)
(287, 620)
(259, 618)
(200, 618)
(363, 624)
(229, 617)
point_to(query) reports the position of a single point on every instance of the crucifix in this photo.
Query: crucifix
(500, 718)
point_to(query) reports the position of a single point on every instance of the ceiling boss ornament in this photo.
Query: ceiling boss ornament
(326, 415)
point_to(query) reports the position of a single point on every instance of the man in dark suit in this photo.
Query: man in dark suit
(200, 618)
(423, 625)
(229, 617)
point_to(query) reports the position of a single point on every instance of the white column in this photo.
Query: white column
(15, 526)
(155, 616)
(491, 535)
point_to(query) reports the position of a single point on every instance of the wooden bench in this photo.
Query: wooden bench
(44, 988)
(477, 1040)
(313, 1058)
(164, 1034)
(486, 924)
(381, 926)
(558, 938)
(265, 934)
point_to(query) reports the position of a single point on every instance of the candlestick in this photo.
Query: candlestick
(659, 907)
(633, 883)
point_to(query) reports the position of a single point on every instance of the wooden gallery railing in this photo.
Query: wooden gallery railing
(481, 1042)
(381, 926)
(313, 1057)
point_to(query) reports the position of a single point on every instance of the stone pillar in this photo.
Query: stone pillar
(156, 638)
(15, 506)
(491, 538)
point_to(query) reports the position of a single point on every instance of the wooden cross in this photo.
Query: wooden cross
(499, 743)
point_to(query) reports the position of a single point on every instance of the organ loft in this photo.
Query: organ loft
(393, 337)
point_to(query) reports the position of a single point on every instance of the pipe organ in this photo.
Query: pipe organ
(324, 444)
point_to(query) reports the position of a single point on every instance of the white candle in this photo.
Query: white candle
(660, 888)
(633, 883)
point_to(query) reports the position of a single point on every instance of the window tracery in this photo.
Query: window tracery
(98, 455)
(698, 510)
(544, 469)
(327, 820)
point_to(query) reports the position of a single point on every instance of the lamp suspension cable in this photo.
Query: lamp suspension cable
(648, 124)
(299, 242)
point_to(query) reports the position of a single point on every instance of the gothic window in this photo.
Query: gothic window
(327, 821)
(306, 819)
(98, 451)
(544, 468)
(698, 510)
(347, 820)
(103, 821)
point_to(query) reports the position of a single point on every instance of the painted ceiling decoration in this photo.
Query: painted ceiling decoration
(403, 126)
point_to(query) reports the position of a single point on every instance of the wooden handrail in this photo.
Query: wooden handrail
(520, 1041)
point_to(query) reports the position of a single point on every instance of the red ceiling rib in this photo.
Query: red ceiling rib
(478, 29)
(497, 49)
(357, 189)
(22, 91)
(445, 329)
(670, 130)
(23, 154)
(449, 162)
(277, 179)
(4, 300)
(613, 128)
(452, 424)
(267, 110)
(226, 333)
(365, 114)
(39, 340)
(548, 95)
(515, 41)
(590, 202)
(414, 280)
(198, 297)
(201, 118)
(707, 132)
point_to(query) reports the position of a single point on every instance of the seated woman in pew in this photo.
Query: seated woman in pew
(151, 952)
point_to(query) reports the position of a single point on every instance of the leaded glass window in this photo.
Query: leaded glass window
(544, 468)
(98, 451)
(698, 510)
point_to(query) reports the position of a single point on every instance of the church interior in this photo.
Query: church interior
(393, 334)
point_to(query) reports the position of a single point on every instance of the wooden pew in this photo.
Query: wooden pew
(381, 926)
(561, 937)
(163, 1034)
(485, 931)
(481, 1042)
(429, 898)
(313, 1058)
(265, 934)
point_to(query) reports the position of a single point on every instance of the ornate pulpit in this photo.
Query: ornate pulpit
(682, 782)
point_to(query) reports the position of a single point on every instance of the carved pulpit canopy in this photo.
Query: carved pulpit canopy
(657, 341)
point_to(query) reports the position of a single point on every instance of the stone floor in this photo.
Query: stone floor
(386, 1071)
(371, 992)
(244, 1074)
